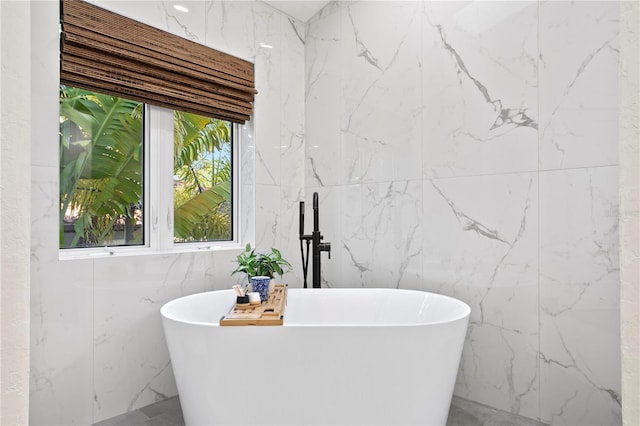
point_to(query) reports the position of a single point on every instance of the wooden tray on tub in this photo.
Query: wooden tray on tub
(270, 312)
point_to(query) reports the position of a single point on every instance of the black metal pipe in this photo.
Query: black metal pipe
(301, 219)
(318, 247)
(305, 259)
(316, 237)
(316, 219)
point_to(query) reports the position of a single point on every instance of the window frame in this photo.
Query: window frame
(158, 195)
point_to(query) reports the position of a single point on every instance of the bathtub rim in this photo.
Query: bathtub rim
(464, 316)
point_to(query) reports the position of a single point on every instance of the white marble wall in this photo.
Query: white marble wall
(470, 148)
(97, 345)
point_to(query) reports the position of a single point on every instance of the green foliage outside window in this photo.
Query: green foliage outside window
(202, 168)
(101, 173)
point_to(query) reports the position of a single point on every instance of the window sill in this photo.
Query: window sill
(106, 252)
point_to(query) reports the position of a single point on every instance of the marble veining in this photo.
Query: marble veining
(578, 113)
(466, 151)
(466, 148)
(579, 295)
(506, 116)
(97, 348)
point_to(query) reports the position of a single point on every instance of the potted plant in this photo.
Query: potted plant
(256, 264)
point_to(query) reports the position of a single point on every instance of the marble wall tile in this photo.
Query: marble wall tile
(381, 239)
(330, 9)
(578, 84)
(44, 227)
(505, 87)
(353, 57)
(323, 105)
(374, 231)
(480, 245)
(247, 179)
(98, 347)
(579, 297)
(231, 27)
(267, 107)
(289, 245)
(479, 88)
(162, 15)
(277, 224)
(44, 90)
(218, 268)
(61, 348)
(131, 360)
(292, 75)
(381, 92)
(268, 216)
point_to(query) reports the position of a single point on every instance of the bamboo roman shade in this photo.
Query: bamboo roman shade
(109, 53)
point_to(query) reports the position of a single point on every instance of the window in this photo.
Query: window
(203, 178)
(142, 176)
(147, 156)
(101, 170)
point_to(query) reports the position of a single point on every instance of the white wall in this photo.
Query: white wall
(470, 148)
(518, 221)
(15, 119)
(629, 149)
(98, 348)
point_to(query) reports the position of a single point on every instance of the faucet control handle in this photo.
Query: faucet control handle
(325, 247)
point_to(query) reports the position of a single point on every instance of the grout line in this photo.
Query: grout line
(538, 366)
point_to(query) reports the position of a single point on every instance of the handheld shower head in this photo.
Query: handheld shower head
(301, 219)
(316, 213)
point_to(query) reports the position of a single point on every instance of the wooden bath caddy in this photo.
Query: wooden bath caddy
(269, 313)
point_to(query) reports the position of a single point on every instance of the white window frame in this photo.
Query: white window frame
(158, 196)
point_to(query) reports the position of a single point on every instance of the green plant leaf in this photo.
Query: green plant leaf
(255, 264)
(192, 212)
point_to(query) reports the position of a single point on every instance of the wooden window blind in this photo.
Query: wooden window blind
(109, 53)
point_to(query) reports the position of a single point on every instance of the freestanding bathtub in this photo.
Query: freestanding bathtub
(342, 357)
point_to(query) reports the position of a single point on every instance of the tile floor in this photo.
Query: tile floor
(462, 413)
(467, 413)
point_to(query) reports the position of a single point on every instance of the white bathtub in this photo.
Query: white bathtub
(342, 357)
